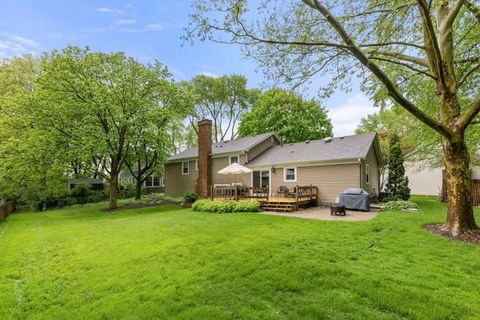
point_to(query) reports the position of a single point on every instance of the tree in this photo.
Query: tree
(397, 184)
(100, 101)
(30, 166)
(223, 100)
(398, 44)
(153, 140)
(287, 114)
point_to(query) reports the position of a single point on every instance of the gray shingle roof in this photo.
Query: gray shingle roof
(340, 148)
(237, 145)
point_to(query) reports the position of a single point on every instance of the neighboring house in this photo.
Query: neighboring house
(427, 181)
(97, 184)
(153, 182)
(332, 164)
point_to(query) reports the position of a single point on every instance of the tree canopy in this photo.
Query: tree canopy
(287, 114)
(107, 104)
(223, 100)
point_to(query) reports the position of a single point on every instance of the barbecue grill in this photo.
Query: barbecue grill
(355, 198)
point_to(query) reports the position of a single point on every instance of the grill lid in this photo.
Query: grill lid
(354, 191)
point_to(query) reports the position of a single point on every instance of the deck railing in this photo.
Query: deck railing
(239, 192)
(297, 194)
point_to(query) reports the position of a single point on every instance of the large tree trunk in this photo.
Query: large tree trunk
(113, 189)
(138, 188)
(460, 217)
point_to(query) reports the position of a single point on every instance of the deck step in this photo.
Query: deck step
(282, 207)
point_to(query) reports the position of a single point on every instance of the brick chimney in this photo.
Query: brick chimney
(204, 180)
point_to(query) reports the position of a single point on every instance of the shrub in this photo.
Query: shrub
(67, 201)
(81, 193)
(205, 205)
(190, 197)
(399, 205)
(247, 206)
(129, 191)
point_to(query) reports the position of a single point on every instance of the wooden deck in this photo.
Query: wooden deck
(299, 197)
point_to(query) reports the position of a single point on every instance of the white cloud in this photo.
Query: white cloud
(106, 10)
(124, 22)
(346, 117)
(24, 41)
(154, 27)
(14, 45)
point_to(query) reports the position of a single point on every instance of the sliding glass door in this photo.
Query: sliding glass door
(261, 178)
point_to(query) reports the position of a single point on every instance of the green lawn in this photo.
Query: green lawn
(167, 262)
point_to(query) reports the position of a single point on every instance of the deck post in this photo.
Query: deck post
(268, 194)
(212, 189)
(296, 196)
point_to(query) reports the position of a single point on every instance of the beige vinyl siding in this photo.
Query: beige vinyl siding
(261, 147)
(373, 184)
(331, 180)
(176, 184)
(222, 162)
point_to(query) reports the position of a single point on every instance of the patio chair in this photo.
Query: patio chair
(292, 194)
(282, 190)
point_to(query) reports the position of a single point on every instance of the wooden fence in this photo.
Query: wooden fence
(5, 209)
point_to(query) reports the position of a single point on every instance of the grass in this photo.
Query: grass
(166, 262)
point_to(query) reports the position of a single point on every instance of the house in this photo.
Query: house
(332, 164)
(96, 184)
(153, 183)
(426, 181)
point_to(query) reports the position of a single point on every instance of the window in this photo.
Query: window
(149, 182)
(185, 167)
(234, 159)
(290, 174)
(367, 173)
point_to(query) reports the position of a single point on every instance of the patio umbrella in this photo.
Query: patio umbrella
(235, 169)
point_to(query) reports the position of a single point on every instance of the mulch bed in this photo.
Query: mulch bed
(472, 237)
(140, 205)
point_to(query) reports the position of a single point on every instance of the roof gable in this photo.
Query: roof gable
(237, 145)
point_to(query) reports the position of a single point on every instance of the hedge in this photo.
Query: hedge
(206, 205)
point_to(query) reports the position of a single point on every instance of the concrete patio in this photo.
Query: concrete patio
(319, 213)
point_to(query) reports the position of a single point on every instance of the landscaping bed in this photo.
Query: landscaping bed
(472, 237)
(138, 205)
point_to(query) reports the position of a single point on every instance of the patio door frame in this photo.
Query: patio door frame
(269, 178)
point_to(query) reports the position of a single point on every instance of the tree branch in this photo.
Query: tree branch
(453, 14)
(358, 53)
(466, 74)
(469, 114)
(430, 32)
(406, 65)
(393, 43)
(420, 61)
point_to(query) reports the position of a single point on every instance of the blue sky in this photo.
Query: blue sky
(146, 30)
